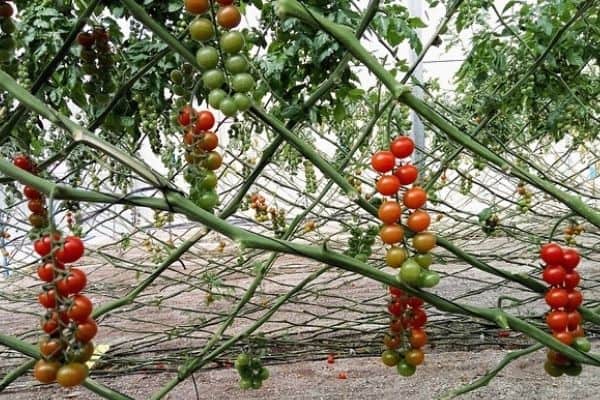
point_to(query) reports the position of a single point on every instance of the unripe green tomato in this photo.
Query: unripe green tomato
(7, 43)
(552, 369)
(362, 257)
(410, 272)
(243, 82)
(213, 79)
(242, 360)
(176, 76)
(242, 101)
(263, 374)
(236, 64)
(7, 25)
(256, 384)
(179, 103)
(215, 97)
(390, 358)
(202, 29)
(405, 369)
(209, 181)
(582, 344)
(429, 279)
(246, 384)
(232, 42)
(207, 57)
(424, 260)
(208, 200)
(228, 107)
(179, 90)
(573, 370)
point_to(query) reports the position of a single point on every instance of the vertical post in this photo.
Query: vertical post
(415, 7)
(3, 258)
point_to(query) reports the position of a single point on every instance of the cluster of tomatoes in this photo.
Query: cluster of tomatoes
(7, 28)
(414, 270)
(96, 62)
(252, 372)
(563, 298)
(67, 322)
(406, 338)
(200, 153)
(222, 64)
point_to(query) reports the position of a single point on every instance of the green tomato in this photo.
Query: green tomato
(362, 257)
(179, 90)
(7, 43)
(429, 279)
(228, 107)
(582, 344)
(263, 375)
(176, 76)
(7, 25)
(390, 358)
(242, 360)
(236, 64)
(243, 82)
(410, 272)
(424, 260)
(245, 384)
(215, 97)
(209, 181)
(207, 57)
(573, 370)
(256, 384)
(202, 29)
(242, 101)
(552, 369)
(405, 369)
(208, 200)
(232, 42)
(213, 79)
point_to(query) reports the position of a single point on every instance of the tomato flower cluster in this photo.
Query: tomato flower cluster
(7, 28)
(563, 298)
(414, 270)
(406, 336)
(96, 62)
(200, 153)
(252, 373)
(224, 64)
(67, 323)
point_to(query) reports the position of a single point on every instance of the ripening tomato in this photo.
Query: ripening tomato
(407, 174)
(190, 138)
(574, 320)
(80, 309)
(575, 298)
(557, 298)
(391, 234)
(186, 115)
(85, 39)
(205, 120)
(415, 198)
(571, 280)
(418, 338)
(392, 341)
(388, 185)
(418, 221)
(383, 161)
(557, 358)
(31, 193)
(390, 358)
(86, 331)
(565, 337)
(389, 212)
(414, 357)
(554, 275)
(71, 250)
(83, 353)
(38, 221)
(402, 146)
(45, 371)
(229, 17)
(578, 332)
(71, 374)
(213, 161)
(197, 6)
(551, 253)
(51, 348)
(396, 256)
(424, 242)
(23, 162)
(209, 141)
(48, 298)
(418, 319)
(73, 283)
(396, 325)
(570, 259)
(557, 321)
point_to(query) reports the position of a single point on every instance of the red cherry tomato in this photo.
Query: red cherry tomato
(419, 318)
(394, 291)
(186, 115)
(557, 320)
(204, 121)
(570, 259)
(71, 250)
(574, 320)
(86, 331)
(383, 161)
(80, 309)
(388, 185)
(31, 193)
(418, 338)
(47, 299)
(36, 206)
(23, 162)
(418, 221)
(396, 308)
(73, 283)
(50, 323)
(415, 302)
(551, 253)
(574, 300)
(557, 298)
(554, 275)
(565, 337)
(407, 174)
(415, 198)
(46, 272)
(389, 212)
(43, 246)
(571, 280)
(402, 146)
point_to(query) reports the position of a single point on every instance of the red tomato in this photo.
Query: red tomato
(47, 299)
(73, 283)
(565, 337)
(415, 198)
(389, 212)
(557, 298)
(557, 321)
(570, 259)
(571, 280)
(45, 371)
(204, 121)
(36, 206)
(209, 141)
(43, 246)
(419, 318)
(557, 358)
(551, 253)
(71, 250)
(23, 162)
(578, 332)
(396, 325)
(402, 146)
(383, 161)
(80, 309)
(86, 331)
(31, 193)
(407, 174)
(85, 39)
(574, 320)
(554, 275)
(388, 185)
(186, 115)
(396, 308)
(46, 272)
(50, 323)
(418, 221)
(418, 338)
(394, 291)
(415, 302)
(575, 298)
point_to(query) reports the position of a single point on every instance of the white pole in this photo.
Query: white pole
(415, 8)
